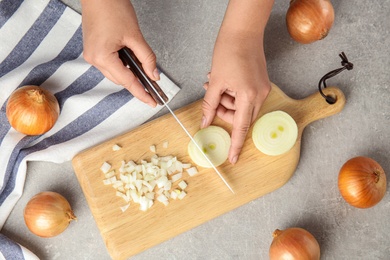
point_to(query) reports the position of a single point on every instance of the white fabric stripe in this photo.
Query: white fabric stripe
(18, 25)
(47, 50)
(28, 255)
(57, 82)
(15, 195)
(7, 146)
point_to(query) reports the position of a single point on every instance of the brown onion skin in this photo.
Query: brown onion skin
(48, 214)
(362, 182)
(309, 20)
(294, 244)
(32, 110)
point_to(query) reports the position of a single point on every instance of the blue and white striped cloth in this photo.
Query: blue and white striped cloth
(41, 44)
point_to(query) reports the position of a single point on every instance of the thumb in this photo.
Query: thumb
(147, 58)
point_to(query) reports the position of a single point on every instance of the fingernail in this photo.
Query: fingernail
(203, 125)
(234, 160)
(152, 104)
(156, 74)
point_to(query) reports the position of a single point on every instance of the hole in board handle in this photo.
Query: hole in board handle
(331, 99)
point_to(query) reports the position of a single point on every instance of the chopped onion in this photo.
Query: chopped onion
(109, 174)
(192, 171)
(165, 144)
(176, 177)
(137, 182)
(215, 143)
(186, 165)
(152, 148)
(150, 195)
(161, 181)
(125, 207)
(162, 198)
(116, 147)
(182, 195)
(105, 167)
(275, 133)
(174, 194)
(182, 185)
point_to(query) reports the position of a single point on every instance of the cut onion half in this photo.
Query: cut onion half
(214, 142)
(275, 133)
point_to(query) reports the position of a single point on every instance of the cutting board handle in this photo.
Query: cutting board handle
(315, 107)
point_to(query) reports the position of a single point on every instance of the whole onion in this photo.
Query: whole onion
(48, 214)
(362, 182)
(294, 244)
(32, 110)
(309, 20)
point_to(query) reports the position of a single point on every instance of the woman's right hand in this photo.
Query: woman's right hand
(108, 26)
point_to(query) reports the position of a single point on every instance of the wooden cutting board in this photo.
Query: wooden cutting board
(255, 174)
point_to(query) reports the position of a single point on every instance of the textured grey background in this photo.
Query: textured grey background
(182, 34)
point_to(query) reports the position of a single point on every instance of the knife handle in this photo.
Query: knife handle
(128, 58)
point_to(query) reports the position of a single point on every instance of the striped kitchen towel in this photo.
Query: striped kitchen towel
(41, 44)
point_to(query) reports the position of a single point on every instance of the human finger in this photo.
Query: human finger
(124, 77)
(226, 100)
(146, 56)
(241, 124)
(210, 104)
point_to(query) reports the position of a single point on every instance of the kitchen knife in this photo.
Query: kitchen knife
(131, 61)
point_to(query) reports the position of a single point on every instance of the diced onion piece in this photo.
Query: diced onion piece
(150, 195)
(110, 180)
(105, 167)
(152, 148)
(186, 165)
(181, 195)
(167, 185)
(122, 195)
(192, 171)
(176, 177)
(107, 182)
(160, 191)
(134, 196)
(145, 203)
(182, 185)
(214, 142)
(109, 174)
(125, 207)
(162, 198)
(174, 194)
(154, 160)
(161, 181)
(165, 144)
(117, 184)
(116, 147)
(275, 133)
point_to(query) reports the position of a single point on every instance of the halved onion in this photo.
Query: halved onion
(275, 133)
(214, 142)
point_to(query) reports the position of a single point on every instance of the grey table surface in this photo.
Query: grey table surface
(182, 34)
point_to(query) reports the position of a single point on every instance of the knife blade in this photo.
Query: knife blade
(131, 61)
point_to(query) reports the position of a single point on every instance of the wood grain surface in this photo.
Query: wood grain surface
(255, 174)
